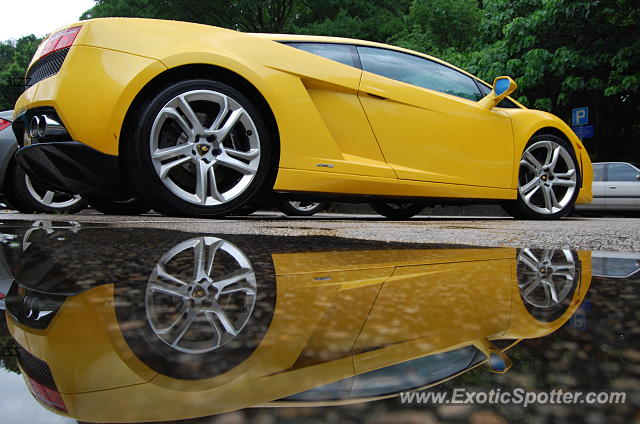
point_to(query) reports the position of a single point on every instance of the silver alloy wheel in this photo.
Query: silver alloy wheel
(205, 147)
(548, 177)
(304, 206)
(51, 199)
(207, 304)
(546, 276)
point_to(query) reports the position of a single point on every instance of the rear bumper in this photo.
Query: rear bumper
(70, 167)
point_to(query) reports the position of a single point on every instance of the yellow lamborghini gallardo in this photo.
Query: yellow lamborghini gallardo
(198, 121)
(203, 324)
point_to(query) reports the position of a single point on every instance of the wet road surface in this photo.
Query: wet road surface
(136, 324)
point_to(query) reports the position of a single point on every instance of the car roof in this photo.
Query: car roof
(364, 43)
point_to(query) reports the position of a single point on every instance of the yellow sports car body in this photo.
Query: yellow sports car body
(198, 120)
(204, 324)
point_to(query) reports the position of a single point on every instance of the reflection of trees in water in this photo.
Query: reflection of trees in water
(10, 363)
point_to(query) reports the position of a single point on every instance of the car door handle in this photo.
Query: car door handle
(613, 186)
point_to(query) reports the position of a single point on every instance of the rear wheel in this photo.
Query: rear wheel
(397, 210)
(547, 180)
(198, 148)
(28, 197)
(300, 208)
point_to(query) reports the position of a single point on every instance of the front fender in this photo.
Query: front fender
(527, 122)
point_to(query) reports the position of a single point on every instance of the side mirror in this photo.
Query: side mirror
(497, 360)
(502, 87)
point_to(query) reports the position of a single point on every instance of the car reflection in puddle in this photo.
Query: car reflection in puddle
(133, 325)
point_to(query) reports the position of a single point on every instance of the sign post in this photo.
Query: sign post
(579, 121)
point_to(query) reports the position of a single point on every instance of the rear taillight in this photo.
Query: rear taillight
(4, 124)
(60, 40)
(49, 397)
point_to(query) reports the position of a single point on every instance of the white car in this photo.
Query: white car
(616, 188)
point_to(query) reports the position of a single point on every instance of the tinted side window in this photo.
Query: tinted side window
(621, 172)
(342, 53)
(598, 172)
(418, 71)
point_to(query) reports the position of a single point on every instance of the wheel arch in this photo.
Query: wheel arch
(215, 73)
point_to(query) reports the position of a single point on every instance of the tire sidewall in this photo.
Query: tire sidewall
(142, 171)
(519, 208)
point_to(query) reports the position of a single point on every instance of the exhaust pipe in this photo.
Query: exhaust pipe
(42, 126)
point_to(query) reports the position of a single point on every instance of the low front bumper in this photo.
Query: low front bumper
(70, 167)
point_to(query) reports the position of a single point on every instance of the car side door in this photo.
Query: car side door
(623, 187)
(428, 124)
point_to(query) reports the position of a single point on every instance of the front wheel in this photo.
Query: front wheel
(198, 148)
(548, 180)
(397, 210)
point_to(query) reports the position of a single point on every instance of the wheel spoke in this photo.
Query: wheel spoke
(224, 110)
(224, 320)
(530, 185)
(222, 133)
(213, 187)
(554, 158)
(172, 112)
(531, 194)
(213, 249)
(48, 197)
(169, 289)
(248, 155)
(165, 168)
(533, 266)
(211, 318)
(178, 316)
(202, 182)
(172, 152)
(199, 258)
(191, 116)
(531, 160)
(570, 173)
(549, 147)
(548, 202)
(222, 284)
(185, 325)
(564, 183)
(163, 274)
(236, 165)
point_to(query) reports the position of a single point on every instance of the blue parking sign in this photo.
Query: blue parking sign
(580, 116)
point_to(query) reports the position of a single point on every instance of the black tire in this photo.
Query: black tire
(109, 205)
(21, 191)
(397, 210)
(245, 210)
(140, 166)
(138, 310)
(291, 209)
(519, 209)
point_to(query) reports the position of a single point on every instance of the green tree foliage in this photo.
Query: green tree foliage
(374, 20)
(14, 59)
(243, 15)
(440, 25)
